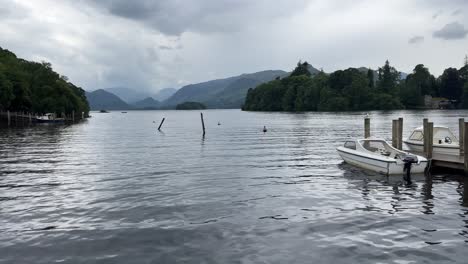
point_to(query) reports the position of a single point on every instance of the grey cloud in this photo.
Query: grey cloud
(451, 31)
(416, 39)
(173, 17)
(457, 12)
(437, 14)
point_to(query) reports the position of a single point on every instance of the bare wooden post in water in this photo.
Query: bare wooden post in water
(461, 135)
(395, 133)
(162, 121)
(73, 116)
(367, 127)
(465, 142)
(425, 135)
(400, 133)
(203, 123)
(8, 117)
(430, 141)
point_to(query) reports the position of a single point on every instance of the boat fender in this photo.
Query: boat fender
(409, 160)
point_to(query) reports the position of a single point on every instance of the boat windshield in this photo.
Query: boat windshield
(417, 136)
(350, 145)
(374, 145)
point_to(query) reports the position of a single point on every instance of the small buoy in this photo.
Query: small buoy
(264, 129)
(219, 123)
(154, 122)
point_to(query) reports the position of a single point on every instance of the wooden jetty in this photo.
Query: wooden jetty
(457, 162)
(23, 119)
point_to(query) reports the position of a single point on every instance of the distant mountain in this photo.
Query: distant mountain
(147, 103)
(165, 93)
(101, 99)
(128, 95)
(222, 93)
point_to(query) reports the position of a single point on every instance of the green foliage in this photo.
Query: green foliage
(342, 90)
(388, 79)
(465, 96)
(451, 84)
(301, 69)
(190, 106)
(417, 84)
(32, 86)
(354, 90)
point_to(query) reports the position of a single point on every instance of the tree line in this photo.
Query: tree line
(34, 87)
(358, 89)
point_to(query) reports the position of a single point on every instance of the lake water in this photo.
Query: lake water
(115, 190)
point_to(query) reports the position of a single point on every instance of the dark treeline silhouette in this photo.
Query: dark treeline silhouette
(27, 86)
(358, 89)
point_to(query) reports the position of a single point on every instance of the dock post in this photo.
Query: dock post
(162, 121)
(395, 133)
(367, 127)
(430, 141)
(8, 117)
(73, 116)
(30, 118)
(465, 142)
(82, 115)
(461, 135)
(425, 135)
(203, 123)
(400, 133)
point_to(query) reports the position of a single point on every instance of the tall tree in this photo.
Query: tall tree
(451, 85)
(388, 79)
(301, 69)
(370, 78)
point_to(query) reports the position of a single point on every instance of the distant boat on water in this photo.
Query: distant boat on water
(49, 118)
(103, 111)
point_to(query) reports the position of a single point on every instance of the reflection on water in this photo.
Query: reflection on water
(116, 190)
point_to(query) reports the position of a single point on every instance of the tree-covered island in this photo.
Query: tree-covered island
(359, 89)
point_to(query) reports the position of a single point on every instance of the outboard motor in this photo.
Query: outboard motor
(408, 160)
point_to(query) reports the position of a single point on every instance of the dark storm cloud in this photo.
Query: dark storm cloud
(173, 17)
(451, 31)
(416, 39)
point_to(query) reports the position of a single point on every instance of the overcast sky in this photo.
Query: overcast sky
(149, 45)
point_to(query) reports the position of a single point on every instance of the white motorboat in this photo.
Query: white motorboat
(377, 155)
(444, 141)
(49, 118)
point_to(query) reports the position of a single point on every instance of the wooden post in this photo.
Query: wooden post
(82, 115)
(30, 118)
(461, 135)
(203, 123)
(8, 117)
(430, 141)
(465, 142)
(367, 127)
(162, 121)
(395, 133)
(425, 136)
(400, 133)
(73, 116)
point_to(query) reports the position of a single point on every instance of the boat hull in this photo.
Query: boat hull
(385, 166)
(436, 148)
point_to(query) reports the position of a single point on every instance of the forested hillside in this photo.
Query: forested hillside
(35, 87)
(355, 89)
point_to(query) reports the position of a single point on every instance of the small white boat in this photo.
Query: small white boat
(377, 155)
(444, 141)
(49, 118)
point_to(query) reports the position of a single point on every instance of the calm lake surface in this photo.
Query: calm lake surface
(115, 190)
